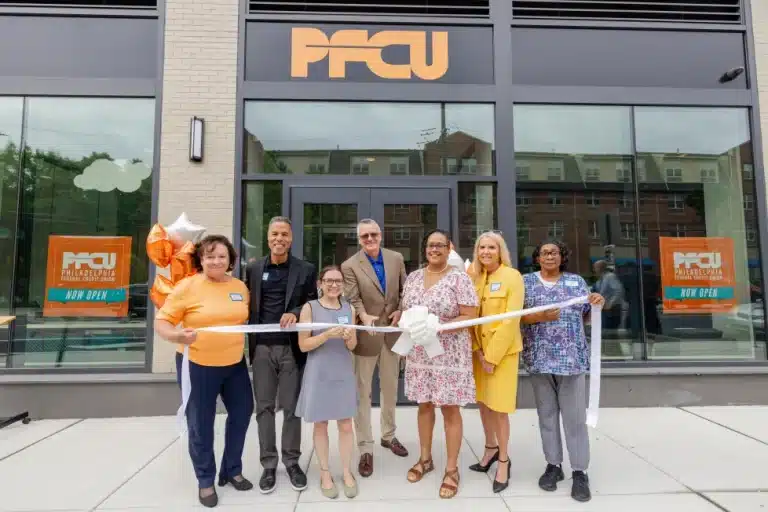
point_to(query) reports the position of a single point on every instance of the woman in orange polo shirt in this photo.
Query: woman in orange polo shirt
(217, 364)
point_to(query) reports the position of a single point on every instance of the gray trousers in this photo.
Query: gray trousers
(275, 372)
(556, 396)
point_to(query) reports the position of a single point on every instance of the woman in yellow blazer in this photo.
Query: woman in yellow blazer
(496, 348)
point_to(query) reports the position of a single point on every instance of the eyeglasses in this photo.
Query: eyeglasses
(547, 254)
(330, 282)
(366, 236)
(437, 246)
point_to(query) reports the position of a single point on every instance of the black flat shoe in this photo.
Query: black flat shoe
(208, 501)
(500, 486)
(484, 469)
(240, 485)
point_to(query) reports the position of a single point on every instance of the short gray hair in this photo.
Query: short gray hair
(367, 222)
(280, 218)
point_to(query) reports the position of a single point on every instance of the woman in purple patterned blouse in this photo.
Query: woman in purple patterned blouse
(556, 354)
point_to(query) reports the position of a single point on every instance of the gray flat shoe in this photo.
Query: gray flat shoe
(350, 491)
(331, 493)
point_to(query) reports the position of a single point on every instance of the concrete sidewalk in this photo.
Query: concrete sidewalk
(683, 460)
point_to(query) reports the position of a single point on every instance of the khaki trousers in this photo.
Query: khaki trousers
(389, 372)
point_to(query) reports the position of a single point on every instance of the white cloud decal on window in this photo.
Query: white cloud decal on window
(105, 175)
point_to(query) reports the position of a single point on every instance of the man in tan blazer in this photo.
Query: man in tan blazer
(373, 284)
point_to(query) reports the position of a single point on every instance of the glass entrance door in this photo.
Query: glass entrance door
(325, 228)
(326, 220)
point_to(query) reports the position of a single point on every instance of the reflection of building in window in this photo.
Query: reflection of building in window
(709, 175)
(555, 171)
(623, 173)
(593, 200)
(679, 230)
(676, 202)
(316, 168)
(458, 153)
(523, 233)
(627, 230)
(400, 211)
(644, 232)
(360, 165)
(523, 172)
(625, 201)
(674, 175)
(556, 228)
(398, 165)
(748, 172)
(555, 199)
(594, 230)
(593, 174)
(522, 199)
(402, 236)
(749, 202)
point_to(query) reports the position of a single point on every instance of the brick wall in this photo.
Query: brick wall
(199, 79)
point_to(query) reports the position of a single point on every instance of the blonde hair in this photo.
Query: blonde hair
(475, 268)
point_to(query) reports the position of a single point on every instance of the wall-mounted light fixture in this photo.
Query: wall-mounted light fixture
(196, 127)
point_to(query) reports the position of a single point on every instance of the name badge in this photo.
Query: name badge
(572, 284)
(236, 297)
(265, 276)
(495, 287)
(344, 320)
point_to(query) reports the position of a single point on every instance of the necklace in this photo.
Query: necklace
(437, 271)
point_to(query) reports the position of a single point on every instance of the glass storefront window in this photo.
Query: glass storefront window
(369, 139)
(574, 182)
(80, 290)
(477, 213)
(11, 111)
(702, 284)
(261, 201)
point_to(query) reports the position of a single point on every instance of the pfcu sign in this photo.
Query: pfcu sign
(310, 45)
(94, 261)
(702, 260)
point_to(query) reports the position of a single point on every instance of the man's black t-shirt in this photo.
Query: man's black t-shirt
(274, 281)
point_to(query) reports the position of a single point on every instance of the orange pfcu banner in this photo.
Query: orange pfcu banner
(87, 276)
(697, 274)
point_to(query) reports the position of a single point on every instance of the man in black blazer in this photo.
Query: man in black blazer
(280, 285)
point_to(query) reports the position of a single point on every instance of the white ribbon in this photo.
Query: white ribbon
(186, 390)
(595, 335)
(419, 327)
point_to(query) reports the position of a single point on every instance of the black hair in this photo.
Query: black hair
(564, 253)
(207, 244)
(446, 234)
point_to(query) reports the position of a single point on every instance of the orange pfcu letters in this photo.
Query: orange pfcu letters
(310, 45)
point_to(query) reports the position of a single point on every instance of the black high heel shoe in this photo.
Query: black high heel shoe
(500, 486)
(484, 468)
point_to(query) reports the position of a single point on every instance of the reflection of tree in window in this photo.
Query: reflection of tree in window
(52, 204)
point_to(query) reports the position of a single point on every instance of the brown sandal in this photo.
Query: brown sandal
(421, 468)
(447, 490)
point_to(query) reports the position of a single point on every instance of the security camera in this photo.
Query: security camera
(731, 75)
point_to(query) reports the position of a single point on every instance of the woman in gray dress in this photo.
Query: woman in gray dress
(328, 388)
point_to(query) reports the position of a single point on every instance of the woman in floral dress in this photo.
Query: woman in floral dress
(447, 381)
